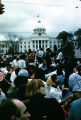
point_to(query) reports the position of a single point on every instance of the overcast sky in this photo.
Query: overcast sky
(55, 15)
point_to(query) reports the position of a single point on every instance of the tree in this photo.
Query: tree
(78, 37)
(65, 37)
(1, 8)
(12, 38)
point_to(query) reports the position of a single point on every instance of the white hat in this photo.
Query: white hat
(23, 72)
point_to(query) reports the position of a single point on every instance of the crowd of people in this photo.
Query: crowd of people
(32, 87)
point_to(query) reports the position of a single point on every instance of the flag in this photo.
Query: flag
(1, 76)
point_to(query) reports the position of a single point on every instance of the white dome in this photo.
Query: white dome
(39, 25)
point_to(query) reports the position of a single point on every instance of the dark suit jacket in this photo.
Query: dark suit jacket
(39, 106)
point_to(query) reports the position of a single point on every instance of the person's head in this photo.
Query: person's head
(53, 80)
(13, 109)
(35, 86)
(59, 71)
(39, 74)
(31, 69)
(19, 80)
(23, 56)
(23, 73)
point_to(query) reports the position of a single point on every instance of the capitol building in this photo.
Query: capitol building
(38, 39)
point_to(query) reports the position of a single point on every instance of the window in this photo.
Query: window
(50, 46)
(28, 46)
(36, 46)
(24, 46)
(39, 34)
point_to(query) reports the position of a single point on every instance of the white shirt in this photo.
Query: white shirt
(22, 63)
(40, 53)
(56, 93)
(2, 97)
(14, 63)
(59, 56)
(12, 77)
(75, 82)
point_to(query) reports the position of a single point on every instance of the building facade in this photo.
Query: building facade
(38, 39)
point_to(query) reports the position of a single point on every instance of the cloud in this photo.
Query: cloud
(55, 15)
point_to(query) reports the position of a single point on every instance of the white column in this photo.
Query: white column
(41, 43)
(35, 44)
(31, 45)
(47, 44)
(22, 47)
(44, 45)
(38, 44)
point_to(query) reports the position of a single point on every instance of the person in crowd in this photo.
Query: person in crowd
(5, 84)
(75, 110)
(15, 61)
(78, 62)
(59, 56)
(40, 55)
(22, 62)
(23, 72)
(15, 93)
(75, 80)
(2, 96)
(75, 90)
(60, 76)
(55, 91)
(31, 57)
(67, 106)
(31, 70)
(14, 74)
(38, 105)
(13, 109)
(48, 59)
(39, 74)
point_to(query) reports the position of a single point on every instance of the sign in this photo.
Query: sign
(1, 76)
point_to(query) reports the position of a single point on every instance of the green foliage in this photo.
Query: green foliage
(11, 50)
(67, 46)
(1, 8)
(64, 36)
(78, 33)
